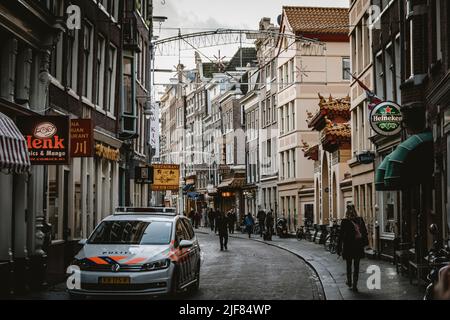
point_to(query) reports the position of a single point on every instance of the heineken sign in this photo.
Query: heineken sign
(386, 118)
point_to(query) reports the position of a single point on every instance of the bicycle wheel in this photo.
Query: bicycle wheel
(326, 243)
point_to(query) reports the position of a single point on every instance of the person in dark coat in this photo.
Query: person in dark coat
(197, 219)
(231, 220)
(269, 224)
(352, 240)
(211, 218)
(261, 216)
(216, 217)
(249, 223)
(222, 226)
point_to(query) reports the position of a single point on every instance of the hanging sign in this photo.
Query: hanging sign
(166, 177)
(386, 118)
(81, 138)
(143, 175)
(47, 138)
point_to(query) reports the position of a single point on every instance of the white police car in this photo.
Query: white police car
(138, 251)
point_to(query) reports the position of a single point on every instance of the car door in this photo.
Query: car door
(193, 251)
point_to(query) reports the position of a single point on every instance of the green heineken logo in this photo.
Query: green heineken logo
(386, 118)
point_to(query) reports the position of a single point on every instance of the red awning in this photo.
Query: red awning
(13, 147)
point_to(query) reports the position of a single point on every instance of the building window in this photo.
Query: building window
(379, 75)
(111, 79)
(390, 72)
(100, 69)
(88, 60)
(72, 59)
(346, 68)
(128, 84)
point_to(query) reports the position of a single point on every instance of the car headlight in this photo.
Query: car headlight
(156, 265)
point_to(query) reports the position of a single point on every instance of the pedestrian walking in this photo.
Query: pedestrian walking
(222, 226)
(216, 217)
(231, 220)
(211, 218)
(352, 240)
(249, 222)
(261, 216)
(269, 225)
(192, 217)
(198, 219)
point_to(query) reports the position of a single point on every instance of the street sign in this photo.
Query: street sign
(166, 177)
(386, 118)
(47, 138)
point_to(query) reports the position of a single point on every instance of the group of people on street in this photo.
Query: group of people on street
(196, 218)
(265, 223)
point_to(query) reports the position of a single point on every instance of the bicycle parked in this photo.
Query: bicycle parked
(331, 241)
(304, 232)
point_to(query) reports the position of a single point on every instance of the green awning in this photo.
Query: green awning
(408, 164)
(379, 175)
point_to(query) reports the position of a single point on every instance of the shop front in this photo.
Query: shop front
(15, 169)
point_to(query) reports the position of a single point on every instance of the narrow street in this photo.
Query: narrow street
(249, 270)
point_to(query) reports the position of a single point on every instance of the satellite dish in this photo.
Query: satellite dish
(279, 20)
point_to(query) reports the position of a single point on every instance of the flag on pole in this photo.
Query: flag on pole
(373, 98)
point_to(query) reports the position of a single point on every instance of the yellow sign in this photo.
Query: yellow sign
(107, 152)
(166, 177)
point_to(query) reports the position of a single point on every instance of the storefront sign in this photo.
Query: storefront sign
(107, 152)
(143, 175)
(47, 138)
(166, 177)
(386, 118)
(365, 157)
(81, 138)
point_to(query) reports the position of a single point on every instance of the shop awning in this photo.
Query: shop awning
(234, 183)
(408, 164)
(193, 195)
(379, 175)
(13, 147)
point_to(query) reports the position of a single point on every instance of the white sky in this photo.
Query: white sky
(201, 15)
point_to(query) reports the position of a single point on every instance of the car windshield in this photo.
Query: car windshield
(132, 232)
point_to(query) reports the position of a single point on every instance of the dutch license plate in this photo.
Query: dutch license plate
(114, 280)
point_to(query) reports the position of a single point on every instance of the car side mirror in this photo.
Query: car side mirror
(186, 244)
(82, 242)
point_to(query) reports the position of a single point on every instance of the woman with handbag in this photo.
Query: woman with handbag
(352, 240)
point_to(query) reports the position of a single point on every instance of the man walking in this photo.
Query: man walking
(211, 218)
(222, 226)
(249, 223)
(216, 217)
(269, 225)
(231, 220)
(261, 216)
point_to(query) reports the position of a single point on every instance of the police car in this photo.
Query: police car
(138, 251)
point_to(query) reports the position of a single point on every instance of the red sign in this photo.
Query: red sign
(81, 138)
(47, 138)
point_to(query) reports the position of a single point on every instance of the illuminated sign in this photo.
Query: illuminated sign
(47, 138)
(81, 138)
(386, 118)
(166, 177)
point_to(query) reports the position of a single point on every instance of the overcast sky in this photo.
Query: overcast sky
(200, 15)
